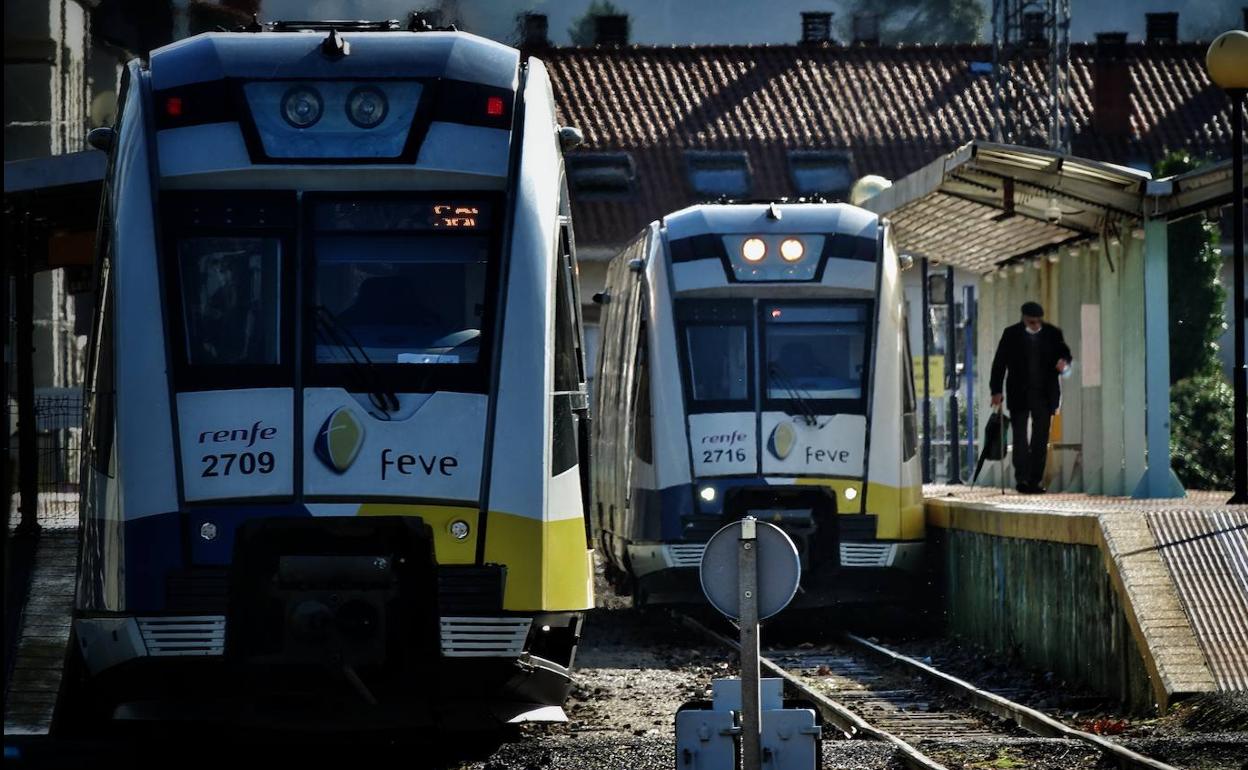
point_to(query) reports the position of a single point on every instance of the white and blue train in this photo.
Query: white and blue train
(755, 358)
(337, 414)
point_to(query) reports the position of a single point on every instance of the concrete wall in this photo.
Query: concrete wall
(1049, 605)
(47, 101)
(46, 93)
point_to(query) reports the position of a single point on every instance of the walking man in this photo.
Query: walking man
(1030, 357)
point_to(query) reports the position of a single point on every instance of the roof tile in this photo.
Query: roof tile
(895, 108)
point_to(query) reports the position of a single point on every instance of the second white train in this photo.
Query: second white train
(755, 359)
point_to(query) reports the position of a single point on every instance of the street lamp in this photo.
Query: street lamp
(1227, 62)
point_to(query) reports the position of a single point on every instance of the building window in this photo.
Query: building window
(719, 174)
(822, 172)
(601, 174)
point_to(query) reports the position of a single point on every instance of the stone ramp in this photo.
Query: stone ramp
(1206, 554)
(1179, 567)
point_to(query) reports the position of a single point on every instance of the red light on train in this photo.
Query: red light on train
(494, 106)
(173, 106)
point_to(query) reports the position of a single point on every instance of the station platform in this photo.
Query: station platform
(41, 624)
(1178, 570)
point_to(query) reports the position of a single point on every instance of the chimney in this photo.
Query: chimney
(611, 29)
(431, 16)
(816, 27)
(866, 28)
(1161, 28)
(1111, 87)
(534, 31)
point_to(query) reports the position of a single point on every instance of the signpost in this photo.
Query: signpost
(749, 572)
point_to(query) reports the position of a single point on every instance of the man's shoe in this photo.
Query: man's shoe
(1024, 488)
(1036, 489)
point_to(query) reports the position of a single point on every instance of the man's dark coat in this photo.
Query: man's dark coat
(1012, 355)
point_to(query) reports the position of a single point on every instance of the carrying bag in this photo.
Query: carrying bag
(996, 441)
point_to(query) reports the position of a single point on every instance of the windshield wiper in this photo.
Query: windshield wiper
(800, 399)
(331, 330)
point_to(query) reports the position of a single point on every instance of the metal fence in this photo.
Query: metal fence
(58, 447)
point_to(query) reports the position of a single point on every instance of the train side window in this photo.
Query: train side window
(909, 403)
(567, 351)
(101, 382)
(100, 422)
(567, 379)
(643, 436)
(231, 299)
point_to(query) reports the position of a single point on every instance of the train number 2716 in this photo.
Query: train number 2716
(245, 463)
(723, 455)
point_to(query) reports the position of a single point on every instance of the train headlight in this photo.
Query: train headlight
(301, 106)
(851, 493)
(754, 249)
(208, 530)
(366, 107)
(791, 250)
(707, 494)
(459, 529)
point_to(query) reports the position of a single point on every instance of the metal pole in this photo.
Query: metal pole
(927, 378)
(998, 114)
(6, 493)
(751, 718)
(968, 370)
(951, 378)
(24, 344)
(1241, 370)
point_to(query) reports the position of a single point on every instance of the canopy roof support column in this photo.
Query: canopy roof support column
(1158, 480)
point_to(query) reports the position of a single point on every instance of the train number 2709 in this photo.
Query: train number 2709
(723, 455)
(246, 463)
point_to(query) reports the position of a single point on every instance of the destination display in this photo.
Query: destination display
(407, 216)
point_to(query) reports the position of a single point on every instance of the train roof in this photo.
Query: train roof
(297, 55)
(757, 217)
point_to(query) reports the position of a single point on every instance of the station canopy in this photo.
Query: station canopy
(51, 206)
(985, 205)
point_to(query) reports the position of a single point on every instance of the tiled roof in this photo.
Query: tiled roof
(895, 109)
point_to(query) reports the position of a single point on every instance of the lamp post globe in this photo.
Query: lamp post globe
(867, 187)
(1227, 62)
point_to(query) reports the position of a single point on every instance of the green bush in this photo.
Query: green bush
(1196, 294)
(1201, 410)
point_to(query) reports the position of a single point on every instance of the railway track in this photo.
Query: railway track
(865, 690)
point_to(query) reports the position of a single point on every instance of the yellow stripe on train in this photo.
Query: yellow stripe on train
(549, 566)
(898, 510)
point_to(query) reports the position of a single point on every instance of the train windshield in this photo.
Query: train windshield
(401, 282)
(815, 352)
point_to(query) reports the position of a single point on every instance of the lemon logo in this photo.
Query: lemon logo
(783, 439)
(339, 440)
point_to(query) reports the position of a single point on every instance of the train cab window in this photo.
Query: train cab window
(400, 282)
(231, 304)
(717, 362)
(716, 340)
(815, 352)
(229, 272)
